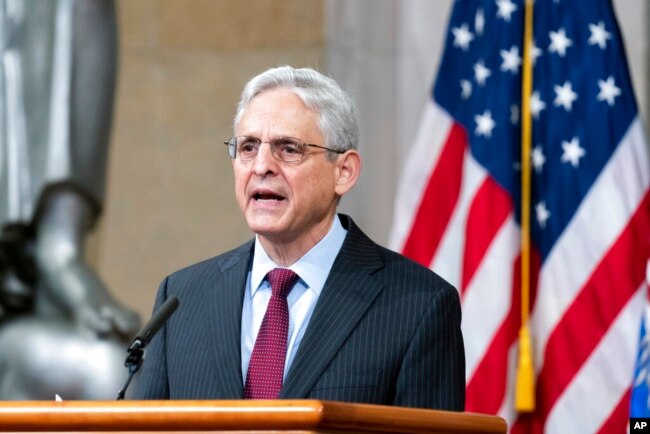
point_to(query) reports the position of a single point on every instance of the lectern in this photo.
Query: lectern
(281, 416)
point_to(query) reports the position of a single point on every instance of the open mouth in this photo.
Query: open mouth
(260, 196)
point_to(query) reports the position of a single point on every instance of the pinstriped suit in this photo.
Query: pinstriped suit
(385, 331)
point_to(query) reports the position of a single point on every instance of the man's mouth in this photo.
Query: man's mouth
(267, 196)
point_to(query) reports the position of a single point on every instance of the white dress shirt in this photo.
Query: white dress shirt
(313, 269)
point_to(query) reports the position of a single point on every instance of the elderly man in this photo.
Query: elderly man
(311, 308)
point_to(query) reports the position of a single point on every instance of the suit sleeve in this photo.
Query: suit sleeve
(432, 374)
(151, 382)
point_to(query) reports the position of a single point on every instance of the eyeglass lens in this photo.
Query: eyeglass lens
(284, 148)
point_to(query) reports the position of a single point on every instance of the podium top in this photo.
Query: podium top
(297, 416)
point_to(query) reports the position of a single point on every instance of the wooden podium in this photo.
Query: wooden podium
(282, 416)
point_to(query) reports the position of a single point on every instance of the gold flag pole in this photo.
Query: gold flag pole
(525, 388)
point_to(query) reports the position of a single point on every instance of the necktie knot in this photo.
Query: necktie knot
(281, 280)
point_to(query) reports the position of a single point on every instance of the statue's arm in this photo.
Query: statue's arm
(70, 282)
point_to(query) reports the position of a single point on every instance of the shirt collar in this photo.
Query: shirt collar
(313, 267)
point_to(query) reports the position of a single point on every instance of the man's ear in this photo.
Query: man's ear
(348, 168)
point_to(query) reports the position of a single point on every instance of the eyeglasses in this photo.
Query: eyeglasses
(286, 149)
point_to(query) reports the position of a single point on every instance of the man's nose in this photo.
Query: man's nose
(264, 162)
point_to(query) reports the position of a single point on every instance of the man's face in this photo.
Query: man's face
(285, 202)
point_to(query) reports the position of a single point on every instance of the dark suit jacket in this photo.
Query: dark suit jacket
(385, 330)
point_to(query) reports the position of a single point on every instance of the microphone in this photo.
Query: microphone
(144, 336)
(147, 332)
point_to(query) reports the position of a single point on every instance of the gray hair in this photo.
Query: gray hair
(338, 116)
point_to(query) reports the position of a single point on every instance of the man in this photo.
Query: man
(360, 323)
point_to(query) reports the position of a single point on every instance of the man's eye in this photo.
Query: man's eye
(288, 147)
(248, 146)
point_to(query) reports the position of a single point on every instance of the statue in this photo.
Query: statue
(61, 332)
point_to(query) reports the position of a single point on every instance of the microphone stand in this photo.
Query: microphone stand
(133, 363)
(144, 336)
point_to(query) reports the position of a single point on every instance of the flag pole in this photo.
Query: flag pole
(525, 387)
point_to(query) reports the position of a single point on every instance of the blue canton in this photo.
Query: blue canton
(582, 100)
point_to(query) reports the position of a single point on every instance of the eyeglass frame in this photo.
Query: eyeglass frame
(232, 148)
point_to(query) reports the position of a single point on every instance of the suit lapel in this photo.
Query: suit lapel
(226, 299)
(348, 292)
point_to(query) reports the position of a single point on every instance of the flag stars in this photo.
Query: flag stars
(564, 96)
(511, 60)
(481, 72)
(479, 21)
(536, 104)
(505, 9)
(559, 42)
(542, 213)
(465, 89)
(572, 152)
(484, 124)
(608, 91)
(599, 35)
(538, 158)
(462, 37)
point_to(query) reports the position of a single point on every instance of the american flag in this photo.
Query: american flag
(458, 208)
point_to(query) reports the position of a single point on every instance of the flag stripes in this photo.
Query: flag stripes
(488, 211)
(434, 211)
(615, 349)
(591, 313)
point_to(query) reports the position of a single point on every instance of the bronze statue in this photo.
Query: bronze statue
(61, 332)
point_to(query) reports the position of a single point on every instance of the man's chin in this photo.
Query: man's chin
(268, 228)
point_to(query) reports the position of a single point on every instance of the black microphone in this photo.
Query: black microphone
(159, 318)
(144, 336)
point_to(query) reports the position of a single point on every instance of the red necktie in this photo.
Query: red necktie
(266, 367)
